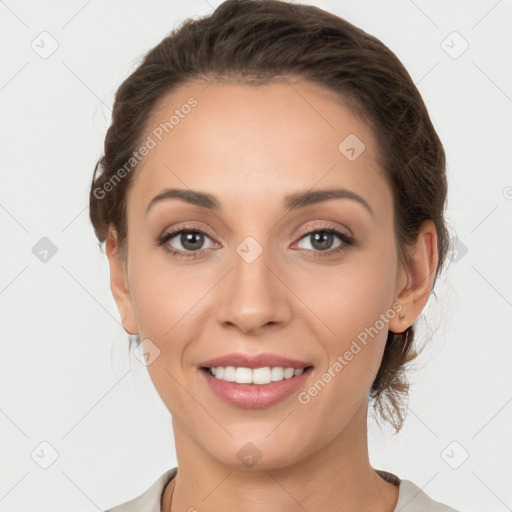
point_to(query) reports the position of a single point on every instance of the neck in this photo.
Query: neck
(336, 477)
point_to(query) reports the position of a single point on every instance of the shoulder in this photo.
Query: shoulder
(410, 499)
(150, 500)
(413, 499)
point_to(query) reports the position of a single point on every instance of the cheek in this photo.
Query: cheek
(358, 310)
(162, 292)
(347, 298)
(354, 293)
(355, 313)
(163, 299)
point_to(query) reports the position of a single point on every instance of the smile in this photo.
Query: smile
(259, 376)
(249, 394)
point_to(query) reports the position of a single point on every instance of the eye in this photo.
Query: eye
(190, 239)
(322, 239)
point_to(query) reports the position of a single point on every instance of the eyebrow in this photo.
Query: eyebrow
(293, 201)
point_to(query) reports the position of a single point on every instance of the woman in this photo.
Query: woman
(271, 198)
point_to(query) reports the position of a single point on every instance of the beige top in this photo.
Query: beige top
(410, 498)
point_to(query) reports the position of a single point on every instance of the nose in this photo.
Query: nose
(253, 294)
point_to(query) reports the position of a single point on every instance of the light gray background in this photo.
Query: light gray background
(65, 376)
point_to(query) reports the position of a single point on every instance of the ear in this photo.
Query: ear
(418, 274)
(119, 283)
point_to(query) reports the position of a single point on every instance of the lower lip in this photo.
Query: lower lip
(255, 396)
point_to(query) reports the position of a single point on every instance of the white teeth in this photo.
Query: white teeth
(260, 376)
(229, 374)
(243, 376)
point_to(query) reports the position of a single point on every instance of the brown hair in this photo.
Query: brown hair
(265, 40)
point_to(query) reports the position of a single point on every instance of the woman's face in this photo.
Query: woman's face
(256, 282)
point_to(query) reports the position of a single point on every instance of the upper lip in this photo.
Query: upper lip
(253, 361)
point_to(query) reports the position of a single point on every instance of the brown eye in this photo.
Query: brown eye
(322, 240)
(190, 240)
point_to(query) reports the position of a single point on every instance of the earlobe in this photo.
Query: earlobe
(119, 284)
(420, 271)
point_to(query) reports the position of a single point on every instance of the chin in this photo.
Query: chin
(258, 453)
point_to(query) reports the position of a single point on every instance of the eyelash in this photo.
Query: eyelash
(347, 242)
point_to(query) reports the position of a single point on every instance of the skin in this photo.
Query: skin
(250, 146)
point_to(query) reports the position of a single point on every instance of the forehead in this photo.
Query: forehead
(257, 140)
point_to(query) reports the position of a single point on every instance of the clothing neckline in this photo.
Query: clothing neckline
(389, 477)
(170, 479)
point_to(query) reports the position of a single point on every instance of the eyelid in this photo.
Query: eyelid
(186, 227)
(172, 233)
(325, 224)
(304, 231)
(347, 240)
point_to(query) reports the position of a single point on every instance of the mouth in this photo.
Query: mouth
(255, 376)
(254, 388)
